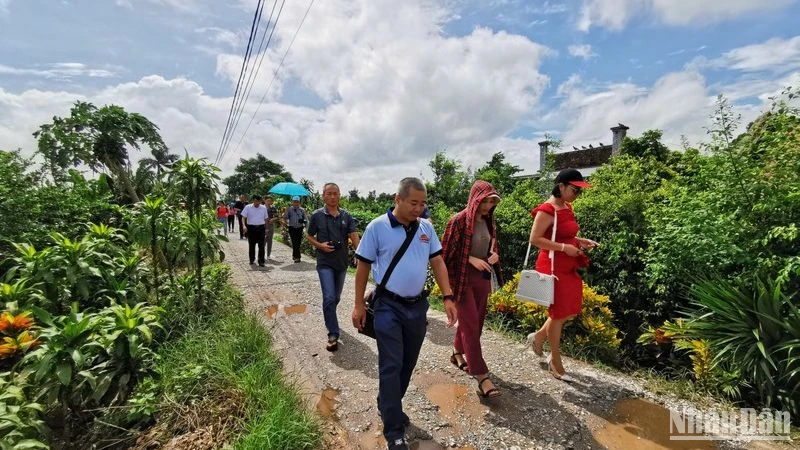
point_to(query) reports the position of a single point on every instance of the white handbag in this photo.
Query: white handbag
(535, 286)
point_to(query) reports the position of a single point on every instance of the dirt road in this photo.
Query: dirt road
(602, 409)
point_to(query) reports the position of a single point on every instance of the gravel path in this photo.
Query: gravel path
(602, 409)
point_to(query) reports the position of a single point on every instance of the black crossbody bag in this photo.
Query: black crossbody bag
(372, 297)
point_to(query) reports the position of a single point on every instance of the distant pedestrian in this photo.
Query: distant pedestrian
(239, 205)
(270, 228)
(231, 216)
(331, 230)
(401, 306)
(222, 216)
(470, 253)
(255, 218)
(295, 219)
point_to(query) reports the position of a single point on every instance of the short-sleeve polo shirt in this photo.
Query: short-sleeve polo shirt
(381, 240)
(326, 228)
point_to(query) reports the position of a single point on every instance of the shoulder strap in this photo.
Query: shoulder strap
(552, 238)
(399, 255)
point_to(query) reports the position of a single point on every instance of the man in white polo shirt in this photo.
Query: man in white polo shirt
(255, 218)
(402, 306)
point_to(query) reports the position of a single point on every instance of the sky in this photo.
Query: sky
(370, 90)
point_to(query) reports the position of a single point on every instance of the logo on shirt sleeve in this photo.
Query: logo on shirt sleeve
(424, 238)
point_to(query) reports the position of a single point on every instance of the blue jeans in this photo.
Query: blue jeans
(332, 282)
(400, 330)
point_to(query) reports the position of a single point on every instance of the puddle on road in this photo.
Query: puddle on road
(326, 405)
(640, 424)
(455, 400)
(288, 310)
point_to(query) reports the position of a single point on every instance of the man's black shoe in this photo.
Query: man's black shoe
(252, 262)
(398, 444)
(261, 264)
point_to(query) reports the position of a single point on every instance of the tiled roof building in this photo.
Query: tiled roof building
(587, 157)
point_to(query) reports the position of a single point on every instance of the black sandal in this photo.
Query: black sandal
(491, 393)
(454, 361)
(333, 345)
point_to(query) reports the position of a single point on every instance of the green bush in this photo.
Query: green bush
(592, 333)
(21, 424)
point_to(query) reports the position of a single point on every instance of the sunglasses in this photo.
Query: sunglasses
(575, 189)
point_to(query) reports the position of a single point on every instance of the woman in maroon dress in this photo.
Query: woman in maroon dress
(569, 256)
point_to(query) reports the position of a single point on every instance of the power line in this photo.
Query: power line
(247, 52)
(253, 73)
(275, 74)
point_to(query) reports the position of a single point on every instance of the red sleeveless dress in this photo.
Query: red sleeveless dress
(568, 297)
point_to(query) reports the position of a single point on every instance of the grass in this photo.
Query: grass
(230, 357)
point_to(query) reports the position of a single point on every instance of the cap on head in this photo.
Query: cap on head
(296, 198)
(573, 177)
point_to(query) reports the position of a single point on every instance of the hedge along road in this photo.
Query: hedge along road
(601, 409)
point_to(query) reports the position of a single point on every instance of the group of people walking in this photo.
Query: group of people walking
(398, 247)
(257, 221)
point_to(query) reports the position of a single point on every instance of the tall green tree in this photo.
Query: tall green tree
(99, 138)
(451, 184)
(500, 173)
(194, 181)
(250, 175)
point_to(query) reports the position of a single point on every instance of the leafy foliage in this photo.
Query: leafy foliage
(99, 138)
(255, 176)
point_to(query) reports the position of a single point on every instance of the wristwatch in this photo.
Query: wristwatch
(447, 297)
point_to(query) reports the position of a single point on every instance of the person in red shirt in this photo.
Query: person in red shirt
(569, 254)
(222, 216)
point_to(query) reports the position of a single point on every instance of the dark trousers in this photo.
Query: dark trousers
(399, 330)
(332, 282)
(296, 234)
(268, 233)
(471, 315)
(241, 230)
(255, 236)
(231, 222)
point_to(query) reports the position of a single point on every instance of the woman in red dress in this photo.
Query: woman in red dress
(569, 256)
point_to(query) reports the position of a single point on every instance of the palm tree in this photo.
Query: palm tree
(161, 161)
(98, 138)
(194, 181)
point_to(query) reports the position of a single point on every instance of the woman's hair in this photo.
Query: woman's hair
(556, 191)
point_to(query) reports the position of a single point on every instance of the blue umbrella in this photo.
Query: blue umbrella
(287, 188)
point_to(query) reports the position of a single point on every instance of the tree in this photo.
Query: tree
(499, 173)
(647, 145)
(450, 185)
(98, 138)
(352, 195)
(250, 175)
(194, 181)
(161, 161)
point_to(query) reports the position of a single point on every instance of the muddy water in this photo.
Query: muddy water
(639, 424)
(326, 405)
(288, 310)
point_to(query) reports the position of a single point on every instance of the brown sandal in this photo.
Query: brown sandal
(454, 360)
(491, 393)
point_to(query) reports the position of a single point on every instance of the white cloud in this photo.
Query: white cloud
(581, 51)
(220, 36)
(615, 14)
(398, 91)
(61, 71)
(780, 55)
(678, 103)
